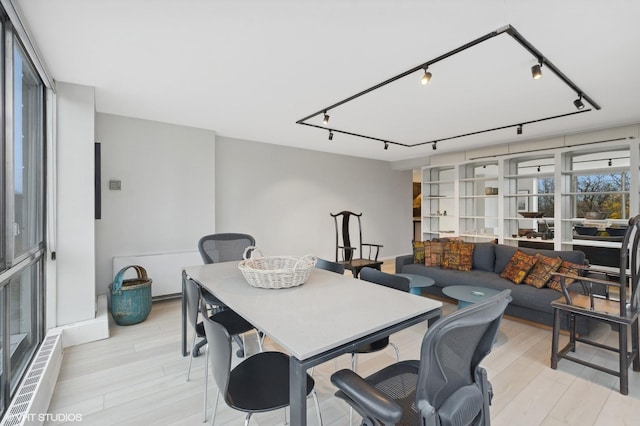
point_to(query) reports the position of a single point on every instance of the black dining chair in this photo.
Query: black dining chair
(223, 247)
(328, 265)
(618, 306)
(347, 245)
(233, 323)
(258, 384)
(388, 280)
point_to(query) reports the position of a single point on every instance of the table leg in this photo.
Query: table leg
(415, 290)
(297, 392)
(184, 316)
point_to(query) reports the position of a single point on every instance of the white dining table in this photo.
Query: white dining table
(329, 315)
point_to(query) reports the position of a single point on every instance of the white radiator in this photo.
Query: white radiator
(165, 269)
(31, 401)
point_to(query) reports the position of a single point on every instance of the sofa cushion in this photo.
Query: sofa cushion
(518, 267)
(565, 268)
(542, 271)
(484, 256)
(433, 252)
(458, 256)
(418, 251)
(504, 253)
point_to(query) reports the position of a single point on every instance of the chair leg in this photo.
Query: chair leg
(555, 338)
(206, 384)
(193, 344)
(635, 346)
(215, 409)
(240, 351)
(315, 400)
(260, 337)
(395, 348)
(624, 363)
(246, 419)
(572, 331)
(284, 411)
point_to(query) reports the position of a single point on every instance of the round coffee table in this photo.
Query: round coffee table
(467, 295)
(416, 282)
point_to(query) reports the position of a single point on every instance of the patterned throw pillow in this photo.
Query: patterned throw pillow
(433, 251)
(418, 252)
(541, 272)
(519, 266)
(565, 268)
(458, 255)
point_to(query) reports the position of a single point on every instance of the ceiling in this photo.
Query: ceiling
(250, 69)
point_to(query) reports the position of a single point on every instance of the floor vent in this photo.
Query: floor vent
(30, 403)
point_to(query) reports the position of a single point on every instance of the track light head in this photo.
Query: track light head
(325, 119)
(578, 103)
(386, 145)
(434, 146)
(519, 129)
(610, 163)
(538, 168)
(426, 77)
(330, 135)
(536, 71)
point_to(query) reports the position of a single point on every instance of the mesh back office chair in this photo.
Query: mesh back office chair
(619, 307)
(259, 383)
(350, 259)
(222, 247)
(446, 387)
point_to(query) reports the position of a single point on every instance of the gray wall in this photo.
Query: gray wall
(167, 199)
(283, 196)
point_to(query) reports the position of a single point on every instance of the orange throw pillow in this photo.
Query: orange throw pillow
(458, 255)
(519, 266)
(542, 271)
(567, 268)
(433, 251)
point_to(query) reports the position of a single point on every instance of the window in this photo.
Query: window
(22, 207)
(600, 182)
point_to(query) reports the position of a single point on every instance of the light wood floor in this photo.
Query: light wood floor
(138, 377)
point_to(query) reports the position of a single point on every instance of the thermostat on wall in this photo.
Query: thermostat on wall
(115, 185)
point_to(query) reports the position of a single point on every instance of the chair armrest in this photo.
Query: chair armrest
(367, 397)
(402, 261)
(377, 247)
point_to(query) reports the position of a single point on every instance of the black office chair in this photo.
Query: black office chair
(259, 383)
(446, 387)
(328, 265)
(618, 306)
(346, 250)
(222, 247)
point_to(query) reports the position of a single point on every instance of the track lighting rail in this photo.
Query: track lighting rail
(508, 29)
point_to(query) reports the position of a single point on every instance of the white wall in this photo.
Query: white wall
(282, 196)
(168, 186)
(75, 248)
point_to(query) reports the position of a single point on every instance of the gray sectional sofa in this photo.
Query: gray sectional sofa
(489, 259)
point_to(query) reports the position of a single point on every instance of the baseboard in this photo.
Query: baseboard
(87, 331)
